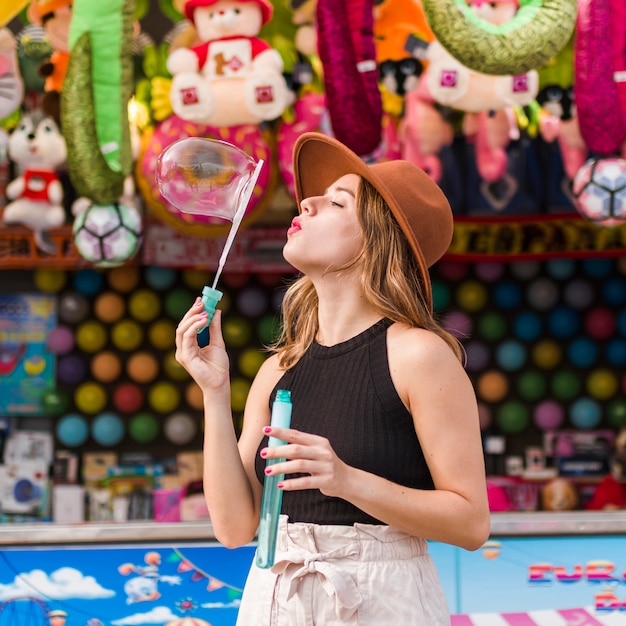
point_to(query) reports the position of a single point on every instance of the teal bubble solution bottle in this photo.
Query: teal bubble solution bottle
(272, 500)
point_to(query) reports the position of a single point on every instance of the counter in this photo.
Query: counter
(537, 568)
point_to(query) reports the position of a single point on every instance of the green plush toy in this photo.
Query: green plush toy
(539, 30)
(95, 96)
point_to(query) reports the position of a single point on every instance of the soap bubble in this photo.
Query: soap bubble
(204, 176)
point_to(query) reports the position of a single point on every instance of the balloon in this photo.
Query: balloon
(195, 279)
(49, 281)
(563, 322)
(616, 413)
(173, 368)
(55, 401)
(489, 271)
(471, 296)
(239, 389)
(91, 336)
(160, 278)
(452, 271)
(108, 429)
(510, 355)
(614, 291)
(249, 362)
(73, 308)
(441, 295)
(602, 384)
(144, 305)
(90, 398)
(127, 398)
(127, 335)
(180, 428)
(109, 307)
(252, 301)
(548, 415)
(60, 340)
(142, 367)
(585, 413)
(531, 385)
(458, 324)
(597, 268)
(177, 302)
(106, 366)
(578, 294)
(582, 352)
(525, 270)
(162, 334)
(193, 396)
(72, 430)
(600, 324)
(542, 294)
(88, 282)
(616, 352)
(164, 397)
(492, 386)
(71, 369)
(527, 326)
(478, 355)
(123, 279)
(507, 295)
(560, 269)
(565, 385)
(492, 326)
(237, 332)
(546, 354)
(512, 417)
(143, 427)
(268, 329)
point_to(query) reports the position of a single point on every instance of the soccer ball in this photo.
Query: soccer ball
(599, 190)
(108, 235)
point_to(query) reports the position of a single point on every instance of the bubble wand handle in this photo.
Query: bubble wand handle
(210, 295)
(272, 499)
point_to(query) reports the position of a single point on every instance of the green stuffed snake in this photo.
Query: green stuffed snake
(538, 32)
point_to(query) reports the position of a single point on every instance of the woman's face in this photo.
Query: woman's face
(327, 234)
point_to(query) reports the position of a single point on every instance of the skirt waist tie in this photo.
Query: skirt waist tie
(336, 582)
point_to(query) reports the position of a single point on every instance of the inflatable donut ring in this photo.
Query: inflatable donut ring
(539, 30)
(601, 119)
(248, 138)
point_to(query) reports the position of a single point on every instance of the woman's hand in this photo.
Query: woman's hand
(208, 366)
(306, 454)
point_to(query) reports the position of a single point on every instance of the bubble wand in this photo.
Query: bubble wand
(208, 177)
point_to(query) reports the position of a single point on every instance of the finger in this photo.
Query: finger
(216, 339)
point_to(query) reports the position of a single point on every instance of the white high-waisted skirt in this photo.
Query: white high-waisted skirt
(365, 575)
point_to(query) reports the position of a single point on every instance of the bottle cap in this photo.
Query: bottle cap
(210, 298)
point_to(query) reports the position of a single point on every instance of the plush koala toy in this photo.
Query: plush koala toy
(233, 77)
(38, 149)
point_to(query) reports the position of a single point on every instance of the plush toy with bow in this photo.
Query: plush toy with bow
(38, 150)
(233, 77)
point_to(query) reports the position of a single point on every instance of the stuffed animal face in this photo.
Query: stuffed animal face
(559, 495)
(227, 18)
(497, 12)
(37, 144)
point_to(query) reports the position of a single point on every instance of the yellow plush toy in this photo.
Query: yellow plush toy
(233, 77)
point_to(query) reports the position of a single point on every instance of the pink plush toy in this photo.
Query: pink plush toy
(233, 77)
(11, 85)
(38, 148)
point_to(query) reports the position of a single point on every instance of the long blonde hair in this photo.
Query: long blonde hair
(391, 282)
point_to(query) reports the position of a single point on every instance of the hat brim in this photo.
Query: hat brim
(319, 160)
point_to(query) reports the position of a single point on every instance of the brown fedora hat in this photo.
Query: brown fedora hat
(416, 201)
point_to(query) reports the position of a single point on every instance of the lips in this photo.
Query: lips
(295, 226)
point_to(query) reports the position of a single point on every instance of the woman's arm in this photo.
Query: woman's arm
(231, 489)
(437, 391)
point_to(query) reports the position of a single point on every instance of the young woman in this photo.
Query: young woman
(384, 450)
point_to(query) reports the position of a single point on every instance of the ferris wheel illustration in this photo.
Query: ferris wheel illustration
(24, 611)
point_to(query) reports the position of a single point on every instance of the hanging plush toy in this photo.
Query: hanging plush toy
(233, 77)
(11, 84)
(38, 149)
(55, 17)
(348, 53)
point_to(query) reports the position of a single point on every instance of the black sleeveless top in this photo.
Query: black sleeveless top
(345, 393)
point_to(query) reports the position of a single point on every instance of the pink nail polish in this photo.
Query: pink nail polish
(280, 485)
(263, 453)
(268, 470)
(267, 430)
